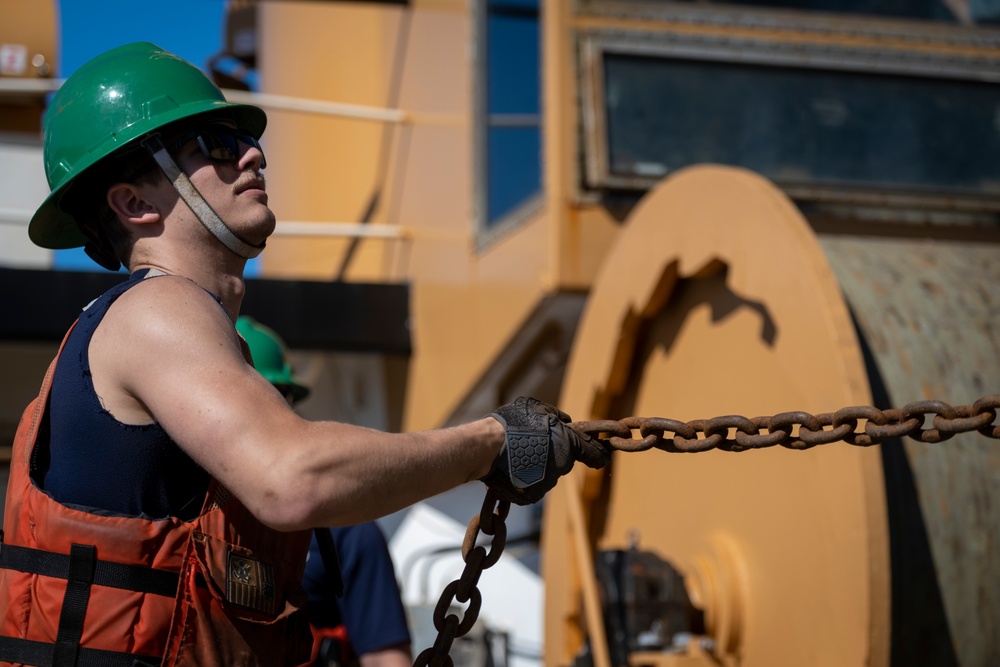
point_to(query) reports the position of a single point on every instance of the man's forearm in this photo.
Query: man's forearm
(349, 480)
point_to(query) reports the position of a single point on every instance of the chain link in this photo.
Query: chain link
(731, 433)
(799, 430)
(489, 521)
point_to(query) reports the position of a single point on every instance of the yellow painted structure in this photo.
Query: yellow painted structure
(711, 291)
(28, 56)
(715, 294)
(717, 330)
(468, 300)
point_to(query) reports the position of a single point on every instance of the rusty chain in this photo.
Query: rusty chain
(732, 433)
(799, 430)
(489, 521)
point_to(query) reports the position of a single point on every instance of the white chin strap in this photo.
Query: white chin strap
(208, 217)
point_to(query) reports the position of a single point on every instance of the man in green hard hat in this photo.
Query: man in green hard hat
(161, 491)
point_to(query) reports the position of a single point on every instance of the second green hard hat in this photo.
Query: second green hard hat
(270, 357)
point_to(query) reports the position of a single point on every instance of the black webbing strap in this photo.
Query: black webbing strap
(137, 578)
(82, 562)
(331, 561)
(81, 569)
(40, 654)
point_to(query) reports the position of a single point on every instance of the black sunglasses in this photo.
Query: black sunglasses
(220, 143)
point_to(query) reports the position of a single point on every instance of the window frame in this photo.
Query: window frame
(487, 231)
(801, 44)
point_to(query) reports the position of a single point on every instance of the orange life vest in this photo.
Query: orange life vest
(88, 589)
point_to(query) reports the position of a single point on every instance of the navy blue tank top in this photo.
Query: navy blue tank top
(95, 462)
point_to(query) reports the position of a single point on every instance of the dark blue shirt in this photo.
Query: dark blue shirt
(370, 609)
(95, 462)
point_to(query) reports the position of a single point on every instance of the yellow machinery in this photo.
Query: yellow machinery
(706, 209)
(705, 290)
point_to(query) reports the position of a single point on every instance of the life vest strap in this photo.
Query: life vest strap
(331, 560)
(137, 578)
(40, 654)
(82, 558)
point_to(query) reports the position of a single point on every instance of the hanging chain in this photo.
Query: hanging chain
(794, 430)
(799, 430)
(489, 521)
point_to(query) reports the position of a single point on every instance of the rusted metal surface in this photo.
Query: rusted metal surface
(800, 430)
(929, 312)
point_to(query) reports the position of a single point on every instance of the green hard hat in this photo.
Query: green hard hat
(270, 356)
(104, 108)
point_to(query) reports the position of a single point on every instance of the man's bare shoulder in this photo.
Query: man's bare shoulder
(167, 292)
(172, 357)
(166, 309)
(157, 339)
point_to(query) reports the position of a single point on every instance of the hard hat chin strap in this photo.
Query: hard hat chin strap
(208, 217)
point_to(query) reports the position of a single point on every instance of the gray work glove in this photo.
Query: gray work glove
(539, 448)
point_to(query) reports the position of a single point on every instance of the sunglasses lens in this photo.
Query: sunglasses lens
(223, 144)
(218, 146)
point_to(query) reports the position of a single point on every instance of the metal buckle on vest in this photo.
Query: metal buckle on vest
(250, 583)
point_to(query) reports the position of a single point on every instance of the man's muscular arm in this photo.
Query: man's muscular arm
(167, 352)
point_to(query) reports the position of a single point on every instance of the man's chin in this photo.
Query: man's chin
(263, 230)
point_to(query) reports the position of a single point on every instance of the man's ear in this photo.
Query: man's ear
(127, 201)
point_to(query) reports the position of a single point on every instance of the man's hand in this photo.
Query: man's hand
(538, 449)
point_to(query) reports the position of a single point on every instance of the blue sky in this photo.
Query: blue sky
(193, 29)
